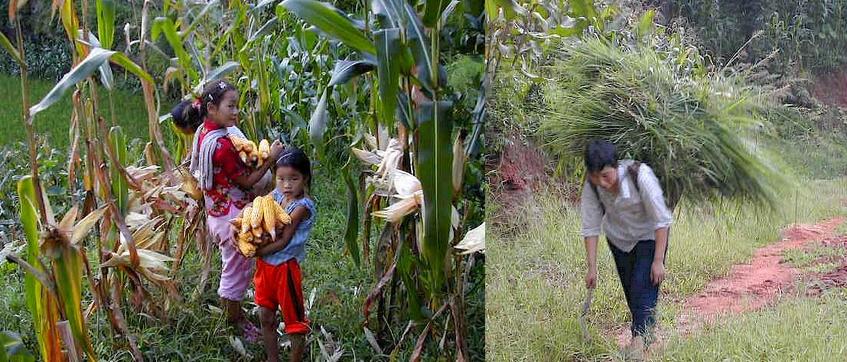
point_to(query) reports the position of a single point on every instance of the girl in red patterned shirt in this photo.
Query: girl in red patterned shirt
(226, 182)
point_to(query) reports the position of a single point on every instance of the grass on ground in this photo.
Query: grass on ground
(130, 113)
(535, 277)
(797, 329)
(196, 331)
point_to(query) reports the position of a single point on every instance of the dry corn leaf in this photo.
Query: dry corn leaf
(474, 241)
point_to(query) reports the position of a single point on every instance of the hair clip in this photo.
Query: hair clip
(222, 85)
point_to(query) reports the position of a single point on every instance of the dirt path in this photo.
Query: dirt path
(749, 287)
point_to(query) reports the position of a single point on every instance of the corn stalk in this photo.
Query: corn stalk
(410, 159)
(54, 288)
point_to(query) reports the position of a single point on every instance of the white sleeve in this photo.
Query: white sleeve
(592, 214)
(653, 198)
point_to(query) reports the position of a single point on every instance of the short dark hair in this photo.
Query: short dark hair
(188, 117)
(298, 160)
(599, 154)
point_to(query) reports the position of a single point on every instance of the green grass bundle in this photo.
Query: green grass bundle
(698, 133)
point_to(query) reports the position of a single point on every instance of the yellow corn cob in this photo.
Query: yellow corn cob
(245, 218)
(259, 162)
(269, 217)
(282, 217)
(246, 248)
(236, 223)
(243, 156)
(264, 149)
(256, 215)
(238, 142)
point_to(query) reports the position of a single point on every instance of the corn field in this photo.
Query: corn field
(367, 89)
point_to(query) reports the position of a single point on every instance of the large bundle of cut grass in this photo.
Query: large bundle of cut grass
(697, 132)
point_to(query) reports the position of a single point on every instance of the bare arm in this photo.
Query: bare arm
(661, 245)
(592, 217)
(591, 257)
(249, 180)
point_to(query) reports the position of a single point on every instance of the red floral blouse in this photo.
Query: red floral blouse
(225, 166)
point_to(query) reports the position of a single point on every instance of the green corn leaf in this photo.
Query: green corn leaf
(388, 12)
(351, 234)
(645, 24)
(317, 124)
(168, 29)
(433, 10)
(42, 309)
(220, 72)
(67, 269)
(120, 189)
(583, 8)
(331, 21)
(4, 41)
(106, 22)
(405, 266)
(12, 348)
(264, 30)
(81, 71)
(434, 166)
(388, 47)
(124, 61)
(418, 41)
(345, 70)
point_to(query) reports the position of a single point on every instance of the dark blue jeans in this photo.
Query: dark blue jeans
(641, 295)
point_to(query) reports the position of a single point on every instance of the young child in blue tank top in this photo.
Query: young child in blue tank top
(278, 279)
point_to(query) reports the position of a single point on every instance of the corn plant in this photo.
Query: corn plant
(524, 31)
(56, 263)
(413, 151)
(398, 115)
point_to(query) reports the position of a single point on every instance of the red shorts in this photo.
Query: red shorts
(280, 286)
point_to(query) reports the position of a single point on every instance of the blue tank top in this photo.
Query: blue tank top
(296, 248)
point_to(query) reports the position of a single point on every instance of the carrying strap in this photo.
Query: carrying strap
(633, 174)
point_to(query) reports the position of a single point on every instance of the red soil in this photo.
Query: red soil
(752, 286)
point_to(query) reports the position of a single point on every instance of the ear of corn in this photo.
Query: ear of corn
(256, 215)
(236, 223)
(252, 155)
(256, 222)
(257, 232)
(264, 148)
(282, 217)
(269, 216)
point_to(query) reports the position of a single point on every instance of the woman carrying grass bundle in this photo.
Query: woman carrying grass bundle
(225, 181)
(625, 199)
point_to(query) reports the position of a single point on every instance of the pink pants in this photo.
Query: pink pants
(236, 270)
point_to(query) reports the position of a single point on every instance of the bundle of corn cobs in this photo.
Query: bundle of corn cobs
(250, 154)
(256, 221)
